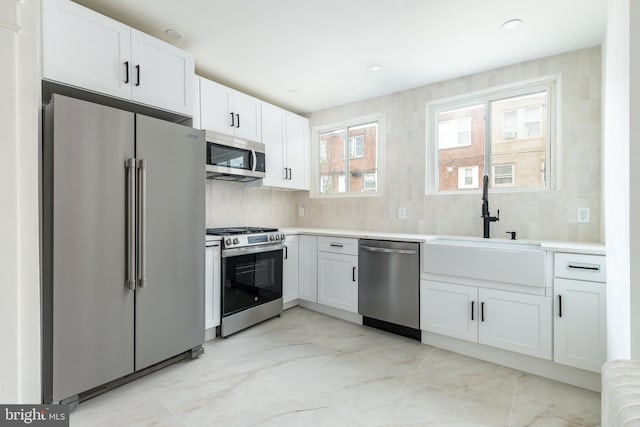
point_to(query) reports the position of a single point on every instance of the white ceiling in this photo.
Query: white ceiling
(323, 48)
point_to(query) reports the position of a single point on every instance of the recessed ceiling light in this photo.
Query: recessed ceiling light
(375, 68)
(511, 24)
(292, 91)
(174, 34)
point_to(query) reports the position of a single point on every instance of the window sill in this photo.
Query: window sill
(491, 190)
(364, 194)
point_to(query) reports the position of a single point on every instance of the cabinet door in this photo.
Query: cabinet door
(338, 281)
(216, 105)
(85, 49)
(516, 322)
(580, 324)
(290, 270)
(308, 273)
(212, 287)
(273, 134)
(449, 309)
(296, 151)
(248, 111)
(161, 74)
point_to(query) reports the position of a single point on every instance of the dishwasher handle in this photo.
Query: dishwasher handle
(389, 251)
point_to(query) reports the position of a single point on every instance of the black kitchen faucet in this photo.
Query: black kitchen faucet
(486, 216)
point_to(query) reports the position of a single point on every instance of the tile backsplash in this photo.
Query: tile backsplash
(535, 215)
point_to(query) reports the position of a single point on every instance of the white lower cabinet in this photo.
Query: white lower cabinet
(308, 274)
(509, 320)
(290, 269)
(338, 281)
(212, 288)
(516, 322)
(580, 323)
(449, 309)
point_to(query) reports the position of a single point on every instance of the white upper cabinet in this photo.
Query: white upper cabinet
(162, 74)
(88, 50)
(228, 111)
(273, 137)
(296, 151)
(286, 139)
(85, 49)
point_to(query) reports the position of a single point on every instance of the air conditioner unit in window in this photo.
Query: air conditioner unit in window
(509, 135)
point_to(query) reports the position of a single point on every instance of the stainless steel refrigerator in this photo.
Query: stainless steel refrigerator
(123, 204)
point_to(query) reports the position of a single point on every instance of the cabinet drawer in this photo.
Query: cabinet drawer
(580, 267)
(338, 245)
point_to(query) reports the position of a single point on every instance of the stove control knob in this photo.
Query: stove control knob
(235, 241)
(272, 238)
(282, 237)
(227, 242)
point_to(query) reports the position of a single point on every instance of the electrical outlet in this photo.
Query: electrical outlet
(402, 213)
(301, 211)
(583, 215)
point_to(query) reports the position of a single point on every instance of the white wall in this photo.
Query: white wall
(19, 253)
(537, 215)
(616, 179)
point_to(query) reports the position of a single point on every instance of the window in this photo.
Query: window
(468, 177)
(454, 132)
(503, 175)
(357, 146)
(500, 132)
(347, 161)
(370, 182)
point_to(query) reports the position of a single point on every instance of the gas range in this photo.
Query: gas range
(239, 237)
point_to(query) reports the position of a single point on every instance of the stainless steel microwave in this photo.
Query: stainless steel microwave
(234, 159)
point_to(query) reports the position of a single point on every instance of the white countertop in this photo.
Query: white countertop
(550, 246)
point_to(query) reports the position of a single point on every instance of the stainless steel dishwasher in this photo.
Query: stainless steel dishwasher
(389, 286)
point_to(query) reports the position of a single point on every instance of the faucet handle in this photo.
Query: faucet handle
(513, 234)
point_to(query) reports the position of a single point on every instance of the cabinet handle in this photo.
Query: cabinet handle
(473, 306)
(482, 311)
(285, 173)
(336, 245)
(290, 174)
(126, 71)
(587, 267)
(233, 123)
(238, 120)
(138, 75)
(353, 274)
(286, 252)
(559, 305)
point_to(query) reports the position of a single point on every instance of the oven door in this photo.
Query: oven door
(250, 277)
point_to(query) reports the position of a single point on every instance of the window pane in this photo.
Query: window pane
(518, 140)
(348, 159)
(460, 139)
(363, 160)
(332, 149)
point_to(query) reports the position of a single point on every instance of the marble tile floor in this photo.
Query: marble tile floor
(308, 369)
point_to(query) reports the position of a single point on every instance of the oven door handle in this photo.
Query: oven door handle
(227, 253)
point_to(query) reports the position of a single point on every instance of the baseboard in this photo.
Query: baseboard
(544, 368)
(290, 304)
(333, 312)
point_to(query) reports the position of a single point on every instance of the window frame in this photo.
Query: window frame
(475, 183)
(550, 83)
(314, 157)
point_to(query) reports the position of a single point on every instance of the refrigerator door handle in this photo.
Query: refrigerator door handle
(142, 223)
(131, 211)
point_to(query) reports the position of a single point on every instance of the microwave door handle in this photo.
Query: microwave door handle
(254, 160)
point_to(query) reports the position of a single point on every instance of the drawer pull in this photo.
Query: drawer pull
(473, 303)
(583, 267)
(336, 245)
(559, 305)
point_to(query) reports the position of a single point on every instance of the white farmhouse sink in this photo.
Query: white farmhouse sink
(506, 261)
